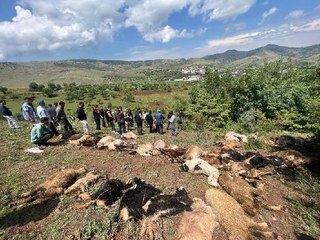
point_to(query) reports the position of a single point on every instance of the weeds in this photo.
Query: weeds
(307, 210)
(104, 227)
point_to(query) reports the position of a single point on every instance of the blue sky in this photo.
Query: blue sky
(37, 30)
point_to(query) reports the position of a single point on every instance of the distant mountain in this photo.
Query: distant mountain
(269, 52)
(21, 74)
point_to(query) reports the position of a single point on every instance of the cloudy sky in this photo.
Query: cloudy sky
(36, 30)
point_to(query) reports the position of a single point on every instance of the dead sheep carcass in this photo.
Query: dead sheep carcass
(85, 140)
(198, 224)
(231, 216)
(135, 198)
(193, 152)
(145, 149)
(241, 191)
(81, 183)
(168, 204)
(117, 144)
(129, 136)
(161, 206)
(235, 137)
(107, 193)
(53, 186)
(199, 166)
(159, 144)
(105, 141)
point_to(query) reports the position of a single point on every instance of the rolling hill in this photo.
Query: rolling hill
(20, 74)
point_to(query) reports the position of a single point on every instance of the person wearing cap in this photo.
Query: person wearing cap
(159, 121)
(42, 112)
(7, 114)
(40, 133)
(27, 110)
(62, 117)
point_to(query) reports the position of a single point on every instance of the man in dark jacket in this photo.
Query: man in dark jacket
(7, 114)
(110, 119)
(121, 121)
(62, 117)
(97, 117)
(149, 120)
(82, 117)
(138, 117)
(103, 114)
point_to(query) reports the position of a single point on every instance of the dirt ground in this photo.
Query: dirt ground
(56, 219)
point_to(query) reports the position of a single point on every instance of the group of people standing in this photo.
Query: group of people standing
(53, 115)
(125, 119)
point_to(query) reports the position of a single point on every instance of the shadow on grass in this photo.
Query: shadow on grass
(302, 236)
(29, 213)
(58, 143)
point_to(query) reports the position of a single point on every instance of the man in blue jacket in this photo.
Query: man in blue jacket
(159, 121)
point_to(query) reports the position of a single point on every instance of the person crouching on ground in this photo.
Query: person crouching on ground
(42, 112)
(82, 117)
(7, 114)
(40, 133)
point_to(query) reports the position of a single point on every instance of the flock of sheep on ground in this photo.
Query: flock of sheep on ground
(234, 198)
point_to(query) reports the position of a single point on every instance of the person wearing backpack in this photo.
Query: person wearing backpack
(110, 119)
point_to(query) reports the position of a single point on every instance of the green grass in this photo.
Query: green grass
(20, 171)
(307, 209)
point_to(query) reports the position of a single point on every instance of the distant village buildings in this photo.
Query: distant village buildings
(193, 73)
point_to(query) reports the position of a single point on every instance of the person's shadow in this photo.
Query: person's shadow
(28, 213)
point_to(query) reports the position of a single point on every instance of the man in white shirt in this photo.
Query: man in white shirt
(172, 124)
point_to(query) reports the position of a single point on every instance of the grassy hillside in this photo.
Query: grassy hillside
(18, 75)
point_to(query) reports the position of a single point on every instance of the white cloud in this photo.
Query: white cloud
(232, 41)
(41, 26)
(261, 37)
(146, 14)
(164, 35)
(295, 14)
(220, 9)
(267, 14)
(168, 33)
